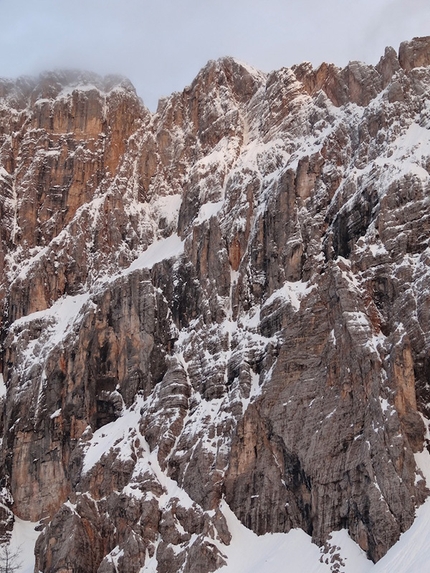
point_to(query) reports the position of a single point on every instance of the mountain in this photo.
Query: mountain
(217, 314)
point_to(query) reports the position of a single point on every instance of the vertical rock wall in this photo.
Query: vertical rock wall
(225, 299)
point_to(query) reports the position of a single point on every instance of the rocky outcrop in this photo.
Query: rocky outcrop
(414, 54)
(227, 299)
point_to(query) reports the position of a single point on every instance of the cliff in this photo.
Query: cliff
(225, 300)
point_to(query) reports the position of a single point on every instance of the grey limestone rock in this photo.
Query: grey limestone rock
(226, 301)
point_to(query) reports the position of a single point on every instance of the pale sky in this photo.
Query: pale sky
(161, 45)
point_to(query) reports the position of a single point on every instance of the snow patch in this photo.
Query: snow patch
(385, 406)
(208, 210)
(67, 91)
(167, 208)
(157, 252)
(4, 174)
(56, 414)
(2, 386)
(422, 459)
(60, 317)
(377, 249)
(109, 436)
(405, 155)
(292, 292)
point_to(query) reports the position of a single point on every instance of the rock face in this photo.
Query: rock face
(227, 299)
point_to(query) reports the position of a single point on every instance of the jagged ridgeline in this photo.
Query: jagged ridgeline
(224, 302)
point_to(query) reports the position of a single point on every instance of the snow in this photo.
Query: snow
(22, 542)
(108, 436)
(120, 435)
(157, 252)
(377, 249)
(411, 554)
(4, 174)
(25, 268)
(69, 90)
(60, 317)
(385, 406)
(249, 553)
(150, 564)
(167, 208)
(293, 552)
(354, 558)
(170, 486)
(292, 292)
(405, 155)
(422, 459)
(55, 414)
(207, 211)
(2, 386)
(256, 73)
(50, 152)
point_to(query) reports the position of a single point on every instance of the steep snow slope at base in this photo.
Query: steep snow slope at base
(22, 543)
(273, 553)
(247, 552)
(292, 552)
(411, 554)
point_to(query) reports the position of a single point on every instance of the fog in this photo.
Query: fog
(161, 45)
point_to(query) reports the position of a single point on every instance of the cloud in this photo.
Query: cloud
(162, 45)
(396, 21)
